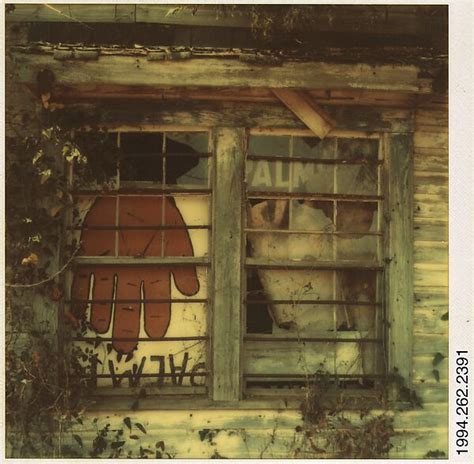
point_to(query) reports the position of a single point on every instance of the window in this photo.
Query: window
(235, 263)
(313, 261)
(140, 286)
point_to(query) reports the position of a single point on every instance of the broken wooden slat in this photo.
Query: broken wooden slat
(312, 115)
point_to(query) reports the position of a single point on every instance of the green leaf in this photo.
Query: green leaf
(438, 357)
(78, 439)
(140, 427)
(436, 374)
(160, 444)
(117, 444)
(128, 423)
(134, 437)
(445, 316)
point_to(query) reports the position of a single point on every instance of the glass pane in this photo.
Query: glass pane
(268, 214)
(190, 142)
(189, 210)
(312, 215)
(267, 176)
(140, 362)
(284, 246)
(185, 170)
(97, 217)
(297, 284)
(357, 179)
(269, 145)
(314, 147)
(357, 149)
(358, 217)
(357, 285)
(357, 248)
(308, 320)
(312, 178)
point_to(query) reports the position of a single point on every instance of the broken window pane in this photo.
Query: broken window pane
(142, 156)
(183, 169)
(357, 149)
(314, 147)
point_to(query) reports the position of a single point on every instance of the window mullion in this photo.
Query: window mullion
(399, 292)
(227, 264)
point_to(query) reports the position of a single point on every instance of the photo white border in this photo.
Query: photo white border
(461, 198)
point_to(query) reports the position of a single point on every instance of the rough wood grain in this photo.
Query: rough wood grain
(429, 320)
(310, 113)
(431, 160)
(129, 70)
(431, 183)
(227, 275)
(431, 252)
(430, 275)
(114, 114)
(430, 229)
(400, 252)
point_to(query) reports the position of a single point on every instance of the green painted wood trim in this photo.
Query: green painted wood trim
(399, 247)
(227, 276)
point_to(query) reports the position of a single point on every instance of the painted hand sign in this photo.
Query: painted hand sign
(120, 292)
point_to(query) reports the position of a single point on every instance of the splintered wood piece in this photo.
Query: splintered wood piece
(312, 115)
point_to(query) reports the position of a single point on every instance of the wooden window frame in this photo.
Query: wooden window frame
(226, 308)
(398, 251)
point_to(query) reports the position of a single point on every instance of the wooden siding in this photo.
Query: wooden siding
(271, 433)
(430, 328)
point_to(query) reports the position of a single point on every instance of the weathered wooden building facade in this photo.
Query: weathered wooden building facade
(267, 272)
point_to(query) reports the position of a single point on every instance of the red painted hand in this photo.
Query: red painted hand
(119, 287)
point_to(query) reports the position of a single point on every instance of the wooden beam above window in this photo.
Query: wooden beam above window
(310, 113)
(220, 72)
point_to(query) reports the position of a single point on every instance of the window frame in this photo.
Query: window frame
(226, 308)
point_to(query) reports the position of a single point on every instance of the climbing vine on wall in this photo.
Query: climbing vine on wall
(46, 384)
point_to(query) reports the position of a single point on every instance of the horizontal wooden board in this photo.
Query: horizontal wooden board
(430, 139)
(429, 297)
(431, 252)
(427, 128)
(415, 445)
(431, 183)
(429, 320)
(115, 114)
(432, 416)
(431, 118)
(428, 229)
(129, 70)
(392, 102)
(431, 160)
(430, 206)
(432, 392)
(430, 275)
(423, 368)
(429, 344)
